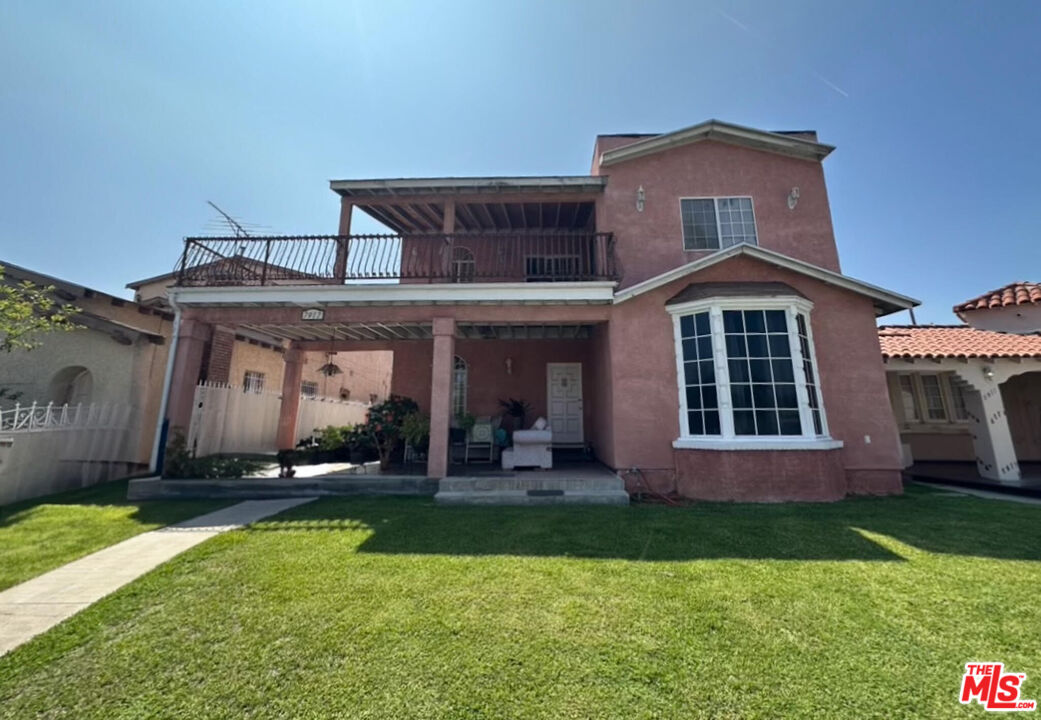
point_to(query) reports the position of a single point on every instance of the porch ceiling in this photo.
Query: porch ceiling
(312, 332)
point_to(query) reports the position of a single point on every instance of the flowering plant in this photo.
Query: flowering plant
(384, 423)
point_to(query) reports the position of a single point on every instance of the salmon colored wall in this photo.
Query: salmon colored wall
(852, 379)
(487, 379)
(651, 242)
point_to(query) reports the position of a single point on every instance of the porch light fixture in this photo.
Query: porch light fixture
(988, 372)
(793, 198)
(509, 366)
(330, 368)
(641, 198)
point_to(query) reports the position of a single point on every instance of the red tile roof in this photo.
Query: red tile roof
(1019, 293)
(954, 341)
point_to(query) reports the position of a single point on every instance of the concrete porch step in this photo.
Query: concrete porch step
(523, 497)
(534, 488)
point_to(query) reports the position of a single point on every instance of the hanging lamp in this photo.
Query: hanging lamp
(330, 368)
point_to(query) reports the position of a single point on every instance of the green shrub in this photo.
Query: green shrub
(179, 463)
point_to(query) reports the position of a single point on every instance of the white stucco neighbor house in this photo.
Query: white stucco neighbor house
(972, 392)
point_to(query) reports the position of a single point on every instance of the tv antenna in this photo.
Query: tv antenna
(231, 222)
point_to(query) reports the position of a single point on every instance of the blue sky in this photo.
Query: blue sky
(119, 120)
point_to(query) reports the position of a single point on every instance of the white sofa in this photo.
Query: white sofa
(531, 448)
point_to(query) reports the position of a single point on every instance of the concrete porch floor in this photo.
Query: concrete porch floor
(964, 474)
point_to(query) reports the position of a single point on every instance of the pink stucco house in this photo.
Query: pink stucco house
(680, 310)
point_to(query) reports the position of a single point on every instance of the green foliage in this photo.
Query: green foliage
(397, 608)
(517, 409)
(384, 423)
(416, 429)
(333, 437)
(28, 311)
(44, 533)
(466, 421)
(179, 463)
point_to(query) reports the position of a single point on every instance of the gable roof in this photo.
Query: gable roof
(910, 342)
(1017, 293)
(702, 291)
(783, 143)
(886, 301)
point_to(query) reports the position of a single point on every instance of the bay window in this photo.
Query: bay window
(747, 374)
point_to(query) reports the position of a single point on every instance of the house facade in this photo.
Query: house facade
(971, 393)
(680, 311)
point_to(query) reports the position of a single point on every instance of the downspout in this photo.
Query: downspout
(166, 384)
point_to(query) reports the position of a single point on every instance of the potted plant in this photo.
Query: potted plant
(415, 429)
(383, 425)
(464, 422)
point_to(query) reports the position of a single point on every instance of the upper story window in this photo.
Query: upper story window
(747, 374)
(717, 223)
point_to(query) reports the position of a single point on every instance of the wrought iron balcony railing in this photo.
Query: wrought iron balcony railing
(523, 256)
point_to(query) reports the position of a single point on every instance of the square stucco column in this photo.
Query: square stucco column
(192, 337)
(287, 413)
(441, 396)
(991, 437)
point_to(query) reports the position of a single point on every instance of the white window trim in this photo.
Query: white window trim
(719, 229)
(727, 440)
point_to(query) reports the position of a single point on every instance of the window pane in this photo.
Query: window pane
(763, 396)
(704, 347)
(757, 346)
(760, 370)
(958, 400)
(736, 221)
(732, 322)
(690, 373)
(776, 322)
(687, 326)
(694, 398)
(708, 395)
(695, 423)
(701, 324)
(711, 422)
(789, 422)
(779, 346)
(708, 372)
(786, 396)
(738, 371)
(736, 346)
(699, 225)
(934, 407)
(741, 395)
(766, 422)
(744, 422)
(908, 399)
(783, 371)
(755, 321)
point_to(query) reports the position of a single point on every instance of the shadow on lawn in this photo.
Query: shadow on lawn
(956, 526)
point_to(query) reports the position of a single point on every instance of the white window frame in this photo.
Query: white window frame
(460, 390)
(719, 228)
(727, 439)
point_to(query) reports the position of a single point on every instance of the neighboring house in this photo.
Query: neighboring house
(113, 368)
(252, 360)
(972, 392)
(680, 310)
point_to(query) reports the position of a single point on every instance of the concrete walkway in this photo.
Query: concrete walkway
(39, 604)
(985, 494)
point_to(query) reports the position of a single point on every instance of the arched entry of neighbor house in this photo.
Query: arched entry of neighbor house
(71, 385)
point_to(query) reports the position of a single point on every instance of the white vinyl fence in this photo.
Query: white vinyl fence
(226, 419)
(51, 448)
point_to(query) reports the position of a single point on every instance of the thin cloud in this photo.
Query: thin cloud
(773, 46)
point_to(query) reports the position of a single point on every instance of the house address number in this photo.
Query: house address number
(313, 314)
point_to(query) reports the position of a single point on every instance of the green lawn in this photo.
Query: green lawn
(45, 533)
(396, 608)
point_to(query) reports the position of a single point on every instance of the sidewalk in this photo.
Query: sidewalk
(39, 604)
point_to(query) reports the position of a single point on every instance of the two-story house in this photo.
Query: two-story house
(681, 310)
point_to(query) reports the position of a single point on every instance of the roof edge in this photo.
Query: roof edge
(886, 301)
(724, 132)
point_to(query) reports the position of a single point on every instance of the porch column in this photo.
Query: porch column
(191, 345)
(991, 438)
(441, 396)
(340, 265)
(294, 360)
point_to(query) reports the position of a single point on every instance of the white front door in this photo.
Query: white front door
(564, 399)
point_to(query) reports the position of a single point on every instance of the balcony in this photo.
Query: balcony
(483, 256)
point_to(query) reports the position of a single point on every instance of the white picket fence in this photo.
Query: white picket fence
(226, 419)
(50, 448)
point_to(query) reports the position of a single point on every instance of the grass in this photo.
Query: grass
(42, 534)
(396, 608)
